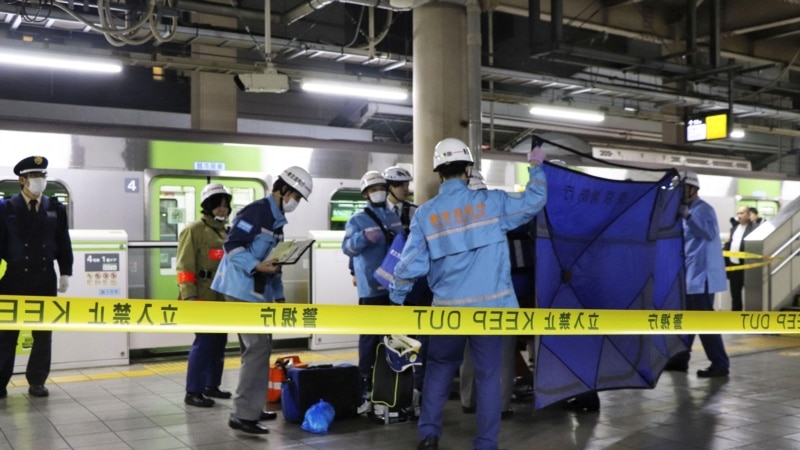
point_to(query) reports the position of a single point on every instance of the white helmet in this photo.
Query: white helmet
(371, 178)
(396, 173)
(476, 181)
(690, 178)
(298, 179)
(450, 150)
(213, 189)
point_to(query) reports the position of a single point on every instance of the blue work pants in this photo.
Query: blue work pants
(368, 343)
(206, 361)
(445, 355)
(712, 343)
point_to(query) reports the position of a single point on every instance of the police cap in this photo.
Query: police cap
(31, 164)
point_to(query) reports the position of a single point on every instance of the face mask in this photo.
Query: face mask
(37, 185)
(377, 197)
(290, 205)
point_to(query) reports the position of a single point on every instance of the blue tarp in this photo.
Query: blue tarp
(606, 244)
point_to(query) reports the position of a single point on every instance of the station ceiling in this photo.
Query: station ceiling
(646, 63)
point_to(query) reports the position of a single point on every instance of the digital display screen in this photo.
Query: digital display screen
(707, 127)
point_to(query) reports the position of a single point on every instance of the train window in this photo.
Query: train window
(241, 197)
(344, 203)
(176, 207)
(9, 188)
(767, 209)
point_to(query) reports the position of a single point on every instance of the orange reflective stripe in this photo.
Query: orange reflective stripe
(186, 277)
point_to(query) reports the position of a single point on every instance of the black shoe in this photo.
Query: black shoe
(199, 400)
(712, 373)
(268, 415)
(583, 402)
(248, 426)
(38, 390)
(215, 392)
(506, 414)
(3, 393)
(429, 443)
(676, 367)
(468, 409)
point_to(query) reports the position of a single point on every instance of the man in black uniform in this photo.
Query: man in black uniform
(33, 233)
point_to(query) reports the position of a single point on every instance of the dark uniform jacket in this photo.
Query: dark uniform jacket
(29, 242)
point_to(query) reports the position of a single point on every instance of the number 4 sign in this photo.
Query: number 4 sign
(131, 185)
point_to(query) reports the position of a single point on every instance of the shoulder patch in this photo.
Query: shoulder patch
(244, 225)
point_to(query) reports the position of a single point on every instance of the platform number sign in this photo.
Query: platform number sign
(132, 185)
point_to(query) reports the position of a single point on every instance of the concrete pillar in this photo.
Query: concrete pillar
(213, 100)
(440, 87)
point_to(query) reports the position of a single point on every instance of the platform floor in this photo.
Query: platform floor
(141, 407)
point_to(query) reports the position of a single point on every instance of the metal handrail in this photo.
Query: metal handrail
(785, 261)
(152, 244)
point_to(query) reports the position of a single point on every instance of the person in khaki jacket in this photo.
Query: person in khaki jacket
(199, 253)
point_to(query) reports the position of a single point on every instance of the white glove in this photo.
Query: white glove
(63, 283)
(373, 234)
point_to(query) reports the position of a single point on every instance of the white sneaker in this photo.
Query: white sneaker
(415, 402)
(364, 407)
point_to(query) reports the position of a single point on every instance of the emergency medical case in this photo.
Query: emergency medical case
(337, 385)
(392, 392)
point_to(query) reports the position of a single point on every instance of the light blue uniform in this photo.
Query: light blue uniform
(255, 231)
(458, 240)
(368, 256)
(703, 250)
(705, 275)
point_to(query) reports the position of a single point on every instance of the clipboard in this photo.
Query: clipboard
(289, 252)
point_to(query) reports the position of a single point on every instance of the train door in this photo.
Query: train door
(174, 202)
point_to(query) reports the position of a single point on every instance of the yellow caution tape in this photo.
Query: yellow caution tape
(131, 315)
(746, 255)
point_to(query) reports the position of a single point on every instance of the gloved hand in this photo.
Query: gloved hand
(63, 283)
(373, 234)
(683, 211)
(536, 155)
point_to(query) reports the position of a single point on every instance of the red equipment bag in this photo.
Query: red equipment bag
(277, 375)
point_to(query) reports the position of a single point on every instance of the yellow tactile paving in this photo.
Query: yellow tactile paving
(170, 368)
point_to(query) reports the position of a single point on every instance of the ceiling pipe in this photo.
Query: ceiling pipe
(714, 31)
(250, 15)
(473, 79)
(308, 7)
(691, 32)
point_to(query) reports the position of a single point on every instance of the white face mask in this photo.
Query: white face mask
(290, 205)
(37, 185)
(377, 197)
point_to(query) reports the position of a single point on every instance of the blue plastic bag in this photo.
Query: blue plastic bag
(319, 417)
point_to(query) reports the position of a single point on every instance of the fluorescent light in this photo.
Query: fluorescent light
(737, 133)
(561, 112)
(70, 63)
(365, 90)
